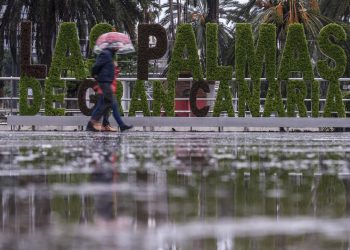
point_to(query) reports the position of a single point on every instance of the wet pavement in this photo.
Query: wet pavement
(181, 190)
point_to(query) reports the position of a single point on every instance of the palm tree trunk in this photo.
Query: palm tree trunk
(186, 11)
(178, 12)
(213, 11)
(171, 12)
(1, 65)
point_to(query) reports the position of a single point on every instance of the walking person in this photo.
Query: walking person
(106, 126)
(104, 72)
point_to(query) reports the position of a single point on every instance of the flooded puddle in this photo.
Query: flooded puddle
(224, 191)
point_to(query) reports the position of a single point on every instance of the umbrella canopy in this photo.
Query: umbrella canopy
(114, 40)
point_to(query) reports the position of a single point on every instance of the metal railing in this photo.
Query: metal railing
(9, 103)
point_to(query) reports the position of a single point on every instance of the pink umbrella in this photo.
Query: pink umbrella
(114, 40)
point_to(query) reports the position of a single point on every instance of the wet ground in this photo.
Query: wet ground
(79, 190)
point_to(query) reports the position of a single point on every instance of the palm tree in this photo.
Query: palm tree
(199, 14)
(282, 13)
(150, 10)
(340, 11)
(47, 14)
(336, 9)
(213, 10)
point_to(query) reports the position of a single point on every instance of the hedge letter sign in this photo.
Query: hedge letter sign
(253, 60)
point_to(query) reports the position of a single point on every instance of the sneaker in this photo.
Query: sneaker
(125, 127)
(93, 126)
(108, 128)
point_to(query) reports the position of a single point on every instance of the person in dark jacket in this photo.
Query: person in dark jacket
(106, 126)
(103, 72)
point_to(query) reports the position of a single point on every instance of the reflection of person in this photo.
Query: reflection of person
(103, 72)
(105, 203)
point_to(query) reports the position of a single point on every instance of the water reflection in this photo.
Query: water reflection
(171, 191)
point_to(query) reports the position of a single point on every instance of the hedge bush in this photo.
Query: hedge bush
(296, 57)
(27, 69)
(160, 97)
(145, 53)
(119, 96)
(215, 72)
(139, 99)
(67, 40)
(185, 42)
(315, 98)
(248, 55)
(296, 94)
(332, 51)
(51, 98)
(223, 100)
(26, 83)
(96, 31)
(193, 98)
(274, 100)
(334, 101)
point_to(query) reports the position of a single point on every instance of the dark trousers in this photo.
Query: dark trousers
(107, 103)
(115, 112)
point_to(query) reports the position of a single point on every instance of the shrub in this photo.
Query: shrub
(185, 44)
(334, 101)
(215, 72)
(160, 97)
(119, 96)
(51, 98)
(25, 83)
(223, 100)
(296, 94)
(139, 99)
(67, 41)
(248, 55)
